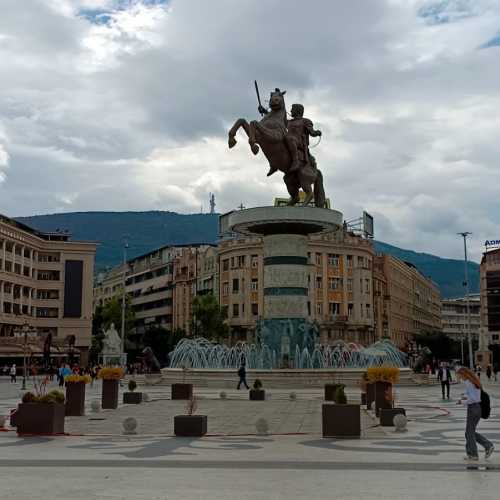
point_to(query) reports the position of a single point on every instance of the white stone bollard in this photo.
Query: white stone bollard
(95, 406)
(145, 397)
(262, 427)
(400, 422)
(223, 395)
(129, 426)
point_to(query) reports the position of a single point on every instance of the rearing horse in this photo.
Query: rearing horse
(269, 133)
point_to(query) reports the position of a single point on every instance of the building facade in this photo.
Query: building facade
(46, 283)
(454, 317)
(407, 302)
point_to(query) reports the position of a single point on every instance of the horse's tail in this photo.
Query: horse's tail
(319, 191)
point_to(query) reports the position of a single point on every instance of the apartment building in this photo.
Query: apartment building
(46, 283)
(490, 302)
(454, 317)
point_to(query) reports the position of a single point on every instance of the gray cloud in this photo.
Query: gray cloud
(132, 112)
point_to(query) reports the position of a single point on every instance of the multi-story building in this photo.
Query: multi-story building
(407, 302)
(454, 317)
(340, 286)
(490, 301)
(161, 285)
(45, 282)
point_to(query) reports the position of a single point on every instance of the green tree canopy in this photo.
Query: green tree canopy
(209, 318)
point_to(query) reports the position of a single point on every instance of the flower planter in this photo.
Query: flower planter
(257, 395)
(40, 418)
(330, 390)
(370, 395)
(387, 416)
(341, 421)
(109, 394)
(132, 398)
(190, 425)
(381, 401)
(75, 399)
(182, 391)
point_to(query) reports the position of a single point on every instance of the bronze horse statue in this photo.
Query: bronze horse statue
(269, 133)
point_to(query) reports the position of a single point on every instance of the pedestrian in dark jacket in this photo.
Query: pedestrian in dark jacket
(444, 376)
(242, 373)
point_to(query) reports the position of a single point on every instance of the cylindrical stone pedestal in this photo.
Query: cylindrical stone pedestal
(285, 276)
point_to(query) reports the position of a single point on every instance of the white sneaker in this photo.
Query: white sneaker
(469, 458)
(489, 452)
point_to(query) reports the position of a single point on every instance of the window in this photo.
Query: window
(349, 284)
(236, 285)
(349, 261)
(225, 265)
(368, 311)
(236, 310)
(361, 261)
(350, 309)
(225, 288)
(254, 285)
(319, 282)
(319, 308)
(334, 308)
(367, 285)
(241, 261)
(255, 261)
(335, 283)
(255, 309)
(318, 259)
(333, 259)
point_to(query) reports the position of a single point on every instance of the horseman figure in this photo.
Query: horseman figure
(285, 144)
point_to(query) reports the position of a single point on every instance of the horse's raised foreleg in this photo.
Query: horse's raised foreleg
(241, 122)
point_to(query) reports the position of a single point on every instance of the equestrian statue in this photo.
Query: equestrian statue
(285, 144)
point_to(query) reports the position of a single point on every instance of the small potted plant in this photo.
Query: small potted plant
(110, 379)
(341, 420)
(41, 412)
(190, 425)
(330, 390)
(257, 393)
(75, 394)
(182, 391)
(132, 397)
(387, 414)
(383, 377)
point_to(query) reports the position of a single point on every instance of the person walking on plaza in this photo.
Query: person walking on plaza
(488, 372)
(444, 376)
(242, 373)
(13, 373)
(472, 386)
(478, 371)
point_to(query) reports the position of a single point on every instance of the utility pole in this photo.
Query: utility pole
(124, 299)
(467, 301)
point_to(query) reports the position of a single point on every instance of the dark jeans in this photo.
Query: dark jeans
(13, 378)
(471, 436)
(445, 383)
(243, 381)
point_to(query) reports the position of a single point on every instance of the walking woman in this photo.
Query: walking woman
(472, 386)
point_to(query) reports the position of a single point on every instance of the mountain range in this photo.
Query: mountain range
(145, 231)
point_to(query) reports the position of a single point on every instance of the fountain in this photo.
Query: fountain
(199, 353)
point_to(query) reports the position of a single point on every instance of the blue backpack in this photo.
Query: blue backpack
(485, 405)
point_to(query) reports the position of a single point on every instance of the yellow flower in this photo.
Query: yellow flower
(383, 374)
(78, 378)
(111, 373)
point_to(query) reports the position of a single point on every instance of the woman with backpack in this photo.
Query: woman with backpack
(472, 386)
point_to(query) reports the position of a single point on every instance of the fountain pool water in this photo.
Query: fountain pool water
(200, 353)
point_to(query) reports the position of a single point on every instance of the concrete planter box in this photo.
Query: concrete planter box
(109, 394)
(330, 390)
(75, 399)
(387, 416)
(40, 418)
(190, 425)
(182, 391)
(257, 394)
(132, 398)
(381, 401)
(341, 421)
(370, 395)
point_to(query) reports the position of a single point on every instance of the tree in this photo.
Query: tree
(209, 318)
(441, 346)
(162, 341)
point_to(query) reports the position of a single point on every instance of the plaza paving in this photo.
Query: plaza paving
(233, 462)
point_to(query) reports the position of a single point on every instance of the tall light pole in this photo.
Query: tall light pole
(124, 299)
(467, 302)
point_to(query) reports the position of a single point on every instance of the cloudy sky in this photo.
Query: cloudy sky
(125, 105)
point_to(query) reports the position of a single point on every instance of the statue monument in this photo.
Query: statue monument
(285, 144)
(284, 326)
(111, 353)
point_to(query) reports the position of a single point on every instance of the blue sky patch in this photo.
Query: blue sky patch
(103, 16)
(494, 42)
(447, 11)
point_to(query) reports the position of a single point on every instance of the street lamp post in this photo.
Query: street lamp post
(124, 301)
(466, 284)
(25, 330)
